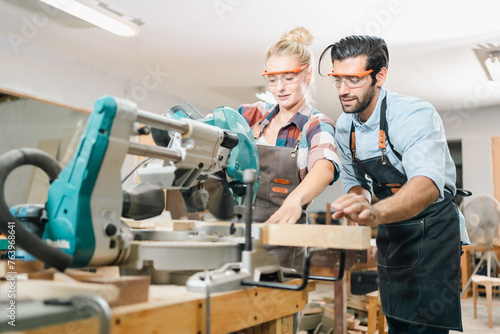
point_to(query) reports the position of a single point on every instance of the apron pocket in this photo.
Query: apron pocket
(262, 198)
(398, 244)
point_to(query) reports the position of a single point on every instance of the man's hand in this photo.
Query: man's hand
(356, 209)
(414, 197)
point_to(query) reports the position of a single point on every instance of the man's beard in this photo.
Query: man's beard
(362, 104)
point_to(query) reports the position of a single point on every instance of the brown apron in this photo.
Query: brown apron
(278, 178)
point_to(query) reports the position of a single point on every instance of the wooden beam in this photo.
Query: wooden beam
(41, 99)
(320, 236)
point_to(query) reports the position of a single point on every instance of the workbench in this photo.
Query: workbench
(172, 309)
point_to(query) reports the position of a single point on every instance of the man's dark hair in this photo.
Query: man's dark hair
(353, 46)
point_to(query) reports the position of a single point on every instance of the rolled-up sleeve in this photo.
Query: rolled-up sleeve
(423, 144)
(320, 135)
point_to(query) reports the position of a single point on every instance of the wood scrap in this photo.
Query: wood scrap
(132, 289)
(21, 267)
(110, 272)
(42, 289)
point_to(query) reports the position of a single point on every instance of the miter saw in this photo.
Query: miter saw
(86, 202)
(212, 160)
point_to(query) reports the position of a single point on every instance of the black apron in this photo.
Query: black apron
(419, 258)
(278, 178)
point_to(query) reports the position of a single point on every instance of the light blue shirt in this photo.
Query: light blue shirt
(416, 132)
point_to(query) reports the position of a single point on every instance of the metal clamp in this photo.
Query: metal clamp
(88, 306)
(305, 277)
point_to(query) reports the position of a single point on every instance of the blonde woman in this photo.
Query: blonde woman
(295, 141)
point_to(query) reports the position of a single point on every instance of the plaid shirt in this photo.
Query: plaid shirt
(317, 141)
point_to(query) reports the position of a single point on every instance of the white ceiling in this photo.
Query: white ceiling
(213, 50)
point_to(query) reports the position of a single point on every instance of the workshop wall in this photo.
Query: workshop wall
(475, 128)
(24, 123)
(44, 76)
(41, 74)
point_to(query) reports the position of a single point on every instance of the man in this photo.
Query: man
(395, 146)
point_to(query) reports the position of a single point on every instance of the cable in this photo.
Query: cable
(24, 239)
(135, 168)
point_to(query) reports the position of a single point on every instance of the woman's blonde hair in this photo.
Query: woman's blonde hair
(295, 42)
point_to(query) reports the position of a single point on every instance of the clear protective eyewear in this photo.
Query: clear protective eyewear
(287, 77)
(351, 80)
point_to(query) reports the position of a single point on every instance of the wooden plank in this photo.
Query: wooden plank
(495, 147)
(321, 236)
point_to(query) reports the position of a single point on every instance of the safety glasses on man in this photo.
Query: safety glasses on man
(287, 77)
(351, 80)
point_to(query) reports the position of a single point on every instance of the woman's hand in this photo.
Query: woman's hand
(313, 184)
(289, 212)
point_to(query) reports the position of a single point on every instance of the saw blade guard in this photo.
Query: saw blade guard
(245, 154)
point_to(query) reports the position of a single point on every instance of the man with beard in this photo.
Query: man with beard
(395, 147)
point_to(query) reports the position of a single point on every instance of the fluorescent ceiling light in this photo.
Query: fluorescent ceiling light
(97, 15)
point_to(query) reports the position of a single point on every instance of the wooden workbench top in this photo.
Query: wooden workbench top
(172, 309)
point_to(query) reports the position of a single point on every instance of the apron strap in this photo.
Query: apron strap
(352, 141)
(385, 128)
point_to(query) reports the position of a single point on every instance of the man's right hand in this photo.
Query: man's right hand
(356, 209)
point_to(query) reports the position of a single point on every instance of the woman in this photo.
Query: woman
(295, 141)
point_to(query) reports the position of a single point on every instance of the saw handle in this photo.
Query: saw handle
(24, 239)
